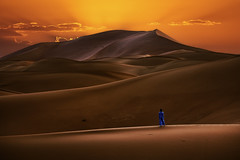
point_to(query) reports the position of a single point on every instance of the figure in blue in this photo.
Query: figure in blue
(161, 118)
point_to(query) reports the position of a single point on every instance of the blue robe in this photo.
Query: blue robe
(161, 118)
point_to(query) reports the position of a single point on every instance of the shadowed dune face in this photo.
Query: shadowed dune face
(121, 78)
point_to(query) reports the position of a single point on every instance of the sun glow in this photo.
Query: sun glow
(105, 12)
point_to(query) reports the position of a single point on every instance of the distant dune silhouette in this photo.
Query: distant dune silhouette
(115, 43)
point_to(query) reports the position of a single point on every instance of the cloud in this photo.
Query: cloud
(34, 26)
(18, 41)
(62, 39)
(154, 24)
(70, 26)
(195, 22)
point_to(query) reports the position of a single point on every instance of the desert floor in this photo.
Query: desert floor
(198, 142)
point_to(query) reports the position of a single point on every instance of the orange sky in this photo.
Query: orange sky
(209, 24)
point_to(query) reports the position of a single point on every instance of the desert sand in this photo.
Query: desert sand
(115, 79)
(198, 142)
(193, 94)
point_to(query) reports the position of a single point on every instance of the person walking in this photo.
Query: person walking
(161, 118)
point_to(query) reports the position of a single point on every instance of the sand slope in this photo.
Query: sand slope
(186, 142)
(204, 93)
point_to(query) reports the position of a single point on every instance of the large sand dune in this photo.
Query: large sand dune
(116, 43)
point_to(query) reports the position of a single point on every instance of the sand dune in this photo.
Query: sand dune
(192, 94)
(187, 142)
(117, 43)
(58, 73)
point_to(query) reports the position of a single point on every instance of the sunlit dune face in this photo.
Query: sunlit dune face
(209, 24)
